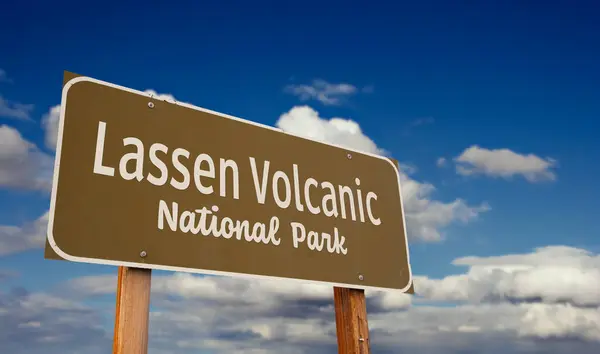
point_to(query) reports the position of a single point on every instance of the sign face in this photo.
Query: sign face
(147, 183)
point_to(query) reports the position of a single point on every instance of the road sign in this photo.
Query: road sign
(148, 183)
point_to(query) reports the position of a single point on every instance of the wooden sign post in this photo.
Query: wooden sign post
(351, 321)
(146, 183)
(132, 311)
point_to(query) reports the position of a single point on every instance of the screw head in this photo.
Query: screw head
(151, 104)
(143, 254)
(360, 277)
(349, 156)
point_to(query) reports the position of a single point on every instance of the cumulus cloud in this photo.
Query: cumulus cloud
(441, 162)
(552, 274)
(562, 321)
(550, 293)
(22, 164)
(425, 217)
(324, 92)
(501, 328)
(15, 110)
(50, 125)
(194, 325)
(15, 239)
(504, 163)
(306, 122)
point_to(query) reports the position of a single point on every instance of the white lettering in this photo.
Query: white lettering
(186, 222)
(138, 156)
(310, 182)
(332, 211)
(99, 168)
(346, 191)
(374, 221)
(316, 241)
(236, 178)
(199, 172)
(282, 203)
(297, 227)
(227, 227)
(299, 205)
(171, 217)
(181, 168)
(344, 201)
(338, 243)
(313, 241)
(361, 207)
(261, 191)
(195, 222)
(164, 173)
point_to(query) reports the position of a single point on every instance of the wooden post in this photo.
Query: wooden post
(351, 321)
(133, 308)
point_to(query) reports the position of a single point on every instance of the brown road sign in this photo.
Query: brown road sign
(143, 182)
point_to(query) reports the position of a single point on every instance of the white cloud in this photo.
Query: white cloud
(50, 125)
(324, 92)
(465, 328)
(504, 163)
(15, 239)
(15, 110)
(43, 323)
(22, 164)
(306, 122)
(552, 274)
(425, 217)
(441, 162)
(541, 320)
(287, 311)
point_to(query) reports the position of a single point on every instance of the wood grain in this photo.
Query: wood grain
(133, 307)
(351, 321)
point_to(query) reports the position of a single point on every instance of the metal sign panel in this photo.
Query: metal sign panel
(147, 183)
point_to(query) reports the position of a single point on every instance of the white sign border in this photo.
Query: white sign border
(71, 258)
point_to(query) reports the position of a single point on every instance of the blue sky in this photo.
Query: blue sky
(427, 81)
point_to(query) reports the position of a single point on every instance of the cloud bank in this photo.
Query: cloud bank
(492, 313)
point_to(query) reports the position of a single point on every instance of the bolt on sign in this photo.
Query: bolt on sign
(144, 182)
